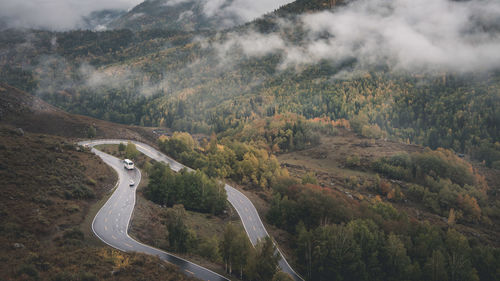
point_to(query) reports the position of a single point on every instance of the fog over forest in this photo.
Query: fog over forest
(420, 36)
(70, 14)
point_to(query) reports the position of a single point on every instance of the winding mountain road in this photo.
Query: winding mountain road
(112, 221)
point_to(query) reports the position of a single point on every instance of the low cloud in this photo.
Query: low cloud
(410, 35)
(252, 44)
(118, 78)
(55, 14)
(54, 73)
(175, 2)
(250, 10)
(405, 35)
(111, 77)
(243, 9)
(234, 11)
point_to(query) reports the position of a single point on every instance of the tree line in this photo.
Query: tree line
(195, 190)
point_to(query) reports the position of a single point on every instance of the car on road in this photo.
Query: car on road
(128, 164)
(131, 183)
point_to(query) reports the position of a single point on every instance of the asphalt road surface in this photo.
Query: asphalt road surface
(111, 222)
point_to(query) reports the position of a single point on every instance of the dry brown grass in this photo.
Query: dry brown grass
(330, 156)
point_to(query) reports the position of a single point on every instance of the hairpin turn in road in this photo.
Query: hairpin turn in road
(112, 221)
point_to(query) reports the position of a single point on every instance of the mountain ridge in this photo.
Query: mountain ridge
(191, 15)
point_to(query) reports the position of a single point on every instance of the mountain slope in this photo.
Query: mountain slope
(187, 15)
(99, 20)
(221, 81)
(156, 14)
(32, 114)
(194, 15)
(284, 83)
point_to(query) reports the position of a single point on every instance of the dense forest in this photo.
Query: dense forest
(241, 162)
(193, 190)
(353, 241)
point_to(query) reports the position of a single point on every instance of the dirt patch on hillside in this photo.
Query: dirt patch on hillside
(329, 160)
(331, 154)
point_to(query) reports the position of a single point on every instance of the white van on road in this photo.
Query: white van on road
(128, 164)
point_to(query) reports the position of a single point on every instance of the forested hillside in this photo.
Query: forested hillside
(200, 82)
(386, 116)
(163, 14)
